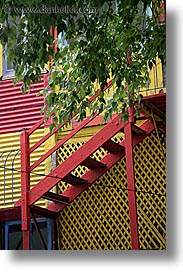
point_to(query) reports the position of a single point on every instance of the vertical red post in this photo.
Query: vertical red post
(51, 33)
(55, 37)
(131, 182)
(25, 187)
(54, 33)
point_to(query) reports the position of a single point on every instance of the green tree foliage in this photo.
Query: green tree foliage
(107, 39)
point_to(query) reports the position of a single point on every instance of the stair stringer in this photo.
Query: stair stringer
(66, 167)
(92, 175)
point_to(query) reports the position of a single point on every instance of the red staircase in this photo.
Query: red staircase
(83, 156)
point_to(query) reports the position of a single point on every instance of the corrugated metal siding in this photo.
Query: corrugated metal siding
(156, 80)
(10, 184)
(19, 111)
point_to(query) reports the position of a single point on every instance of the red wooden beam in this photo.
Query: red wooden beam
(39, 232)
(42, 212)
(66, 167)
(41, 141)
(131, 186)
(56, 41)
(36, 126)
(109, 84)
(61, 142)
(25, 187)
(92, 175)
(14, 213)
(10, 214)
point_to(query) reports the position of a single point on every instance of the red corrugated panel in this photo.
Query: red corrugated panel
(19, 111)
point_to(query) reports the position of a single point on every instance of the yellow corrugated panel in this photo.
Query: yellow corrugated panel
(156, 80)
(10, 159)
(156, 75)
(83, 134)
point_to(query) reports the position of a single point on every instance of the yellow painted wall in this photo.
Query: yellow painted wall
(9, 142)
(156, 80)
(156, 77)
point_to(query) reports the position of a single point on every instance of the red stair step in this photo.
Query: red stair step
(112, 146)
(111, 159)
(43, 212)
(141, 118)
(137, 130)
(55, 197)
(63, 171)
(93, 164)
(73, 180)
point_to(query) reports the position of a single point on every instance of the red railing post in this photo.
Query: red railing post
(131, 181)
(25, 187)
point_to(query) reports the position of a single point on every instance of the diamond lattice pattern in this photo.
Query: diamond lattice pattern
(98, 219)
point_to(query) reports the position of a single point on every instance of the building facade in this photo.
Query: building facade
(94, 186)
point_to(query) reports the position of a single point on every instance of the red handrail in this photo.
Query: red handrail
(64, 140)
(47, 136)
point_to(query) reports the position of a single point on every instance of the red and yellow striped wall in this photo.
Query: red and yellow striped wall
(17, 112)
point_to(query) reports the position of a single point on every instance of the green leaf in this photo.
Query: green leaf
(52, 125)
(140, 96)
(23, 88)
(55, 119)
(96, 50)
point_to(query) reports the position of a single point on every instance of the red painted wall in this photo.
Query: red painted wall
(19, 111)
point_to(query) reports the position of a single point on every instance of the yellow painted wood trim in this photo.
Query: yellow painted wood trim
(50, 162)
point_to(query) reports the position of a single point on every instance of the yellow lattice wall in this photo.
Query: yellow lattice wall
(150, 176)
(99, 218)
